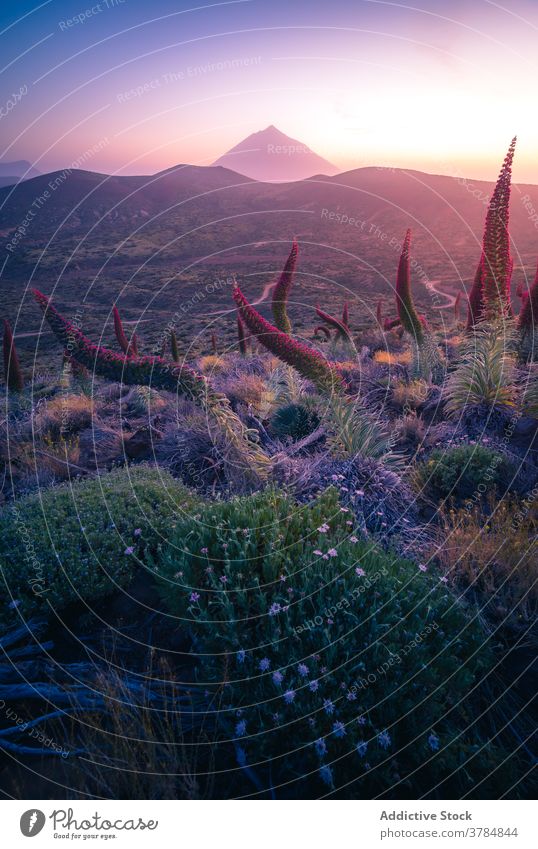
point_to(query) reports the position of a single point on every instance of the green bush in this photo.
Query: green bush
(461, 472)
(294, 420)
(84, 540)
(335, 664)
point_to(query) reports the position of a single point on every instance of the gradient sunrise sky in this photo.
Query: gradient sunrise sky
(441, 86)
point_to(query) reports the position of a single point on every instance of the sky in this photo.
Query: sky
(134, 87)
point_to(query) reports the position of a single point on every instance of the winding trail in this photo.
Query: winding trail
(267, 289)
(431, 286)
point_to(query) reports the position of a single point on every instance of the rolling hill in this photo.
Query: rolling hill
(155, 242)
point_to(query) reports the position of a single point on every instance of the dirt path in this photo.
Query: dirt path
(267, 289)
(431, 286)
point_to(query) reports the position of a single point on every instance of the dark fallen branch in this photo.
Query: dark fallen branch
(313, 438)
(30, 651)
(32, 628)
(30, 676)
(19, 749)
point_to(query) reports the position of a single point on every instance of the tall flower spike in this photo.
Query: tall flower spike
(379, 313)
(132, 350)
(161, 374)
(77, 369)
(118, 329)
(475, 305)
(528, 316)
(12, 369)
(496, 259)
(308, 362)
(323, 329)
(173, 346)
(426, 356)
(282, 290)
(404, 300)
(342, 330)
(457, 303)
(345, 314)
(241, 336)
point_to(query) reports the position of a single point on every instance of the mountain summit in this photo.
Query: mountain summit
(272, 156)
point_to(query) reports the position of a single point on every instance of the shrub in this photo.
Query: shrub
(355, 431)
(161, 755)
(484, 379)
(142, 401)
(494, 559)
(295, 421)
(64, 414)
(461, 472)
(82, 541)
(212, 364)
(530, 392)
(411, 429)
(379, 500)
(409, 395)
(341, 664)
(190, 453)
(247, 389)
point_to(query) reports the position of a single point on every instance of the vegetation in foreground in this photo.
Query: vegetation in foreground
(329, 543)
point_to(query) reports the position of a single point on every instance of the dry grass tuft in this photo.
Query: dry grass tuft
(392, 359)
(212, 364)
(409, 395)
(64, 415)
(494, 561)
(135, 751)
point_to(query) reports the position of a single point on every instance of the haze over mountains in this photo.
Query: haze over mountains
(271, 156)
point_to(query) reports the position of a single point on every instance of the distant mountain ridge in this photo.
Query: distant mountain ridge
(208, 218)
(12, 172)
(271, 156)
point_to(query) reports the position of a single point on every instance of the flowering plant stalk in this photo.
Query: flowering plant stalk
(128, 348)
(496, 260)
(379, 313)
(475, 306)
(308, 362)
(322, 329)
(457, 304)
(174, 346)
(426, 357)
(528, 317)
(160, 374)
(282, 290)
(342, 330)
(241, 336)
(12, 369)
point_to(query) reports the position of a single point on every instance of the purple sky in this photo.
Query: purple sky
(135, 87)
